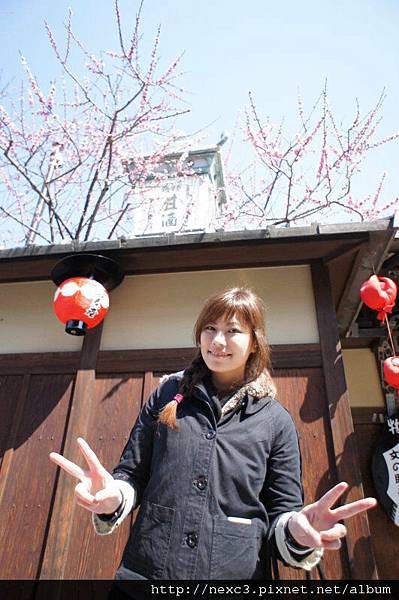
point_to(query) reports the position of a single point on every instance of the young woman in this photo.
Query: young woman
(213, 461)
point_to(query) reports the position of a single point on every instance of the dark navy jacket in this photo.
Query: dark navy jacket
(188, 482)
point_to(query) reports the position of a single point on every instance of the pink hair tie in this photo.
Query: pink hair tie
(178, 398)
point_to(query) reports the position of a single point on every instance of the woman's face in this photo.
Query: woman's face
(225, 348)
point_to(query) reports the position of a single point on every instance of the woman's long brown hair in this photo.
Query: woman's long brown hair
(248, 308)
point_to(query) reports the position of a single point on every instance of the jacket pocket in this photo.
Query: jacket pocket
(235, 550)
(148, 546)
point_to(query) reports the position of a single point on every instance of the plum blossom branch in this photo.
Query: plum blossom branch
(293, 178)
(106, 121)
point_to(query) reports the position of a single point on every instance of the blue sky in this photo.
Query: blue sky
(230, 47)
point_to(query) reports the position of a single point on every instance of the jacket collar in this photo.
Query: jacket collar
(256, 394)
(259, 392)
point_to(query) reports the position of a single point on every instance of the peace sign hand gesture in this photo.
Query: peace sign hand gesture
(97, 491)
(316, 525)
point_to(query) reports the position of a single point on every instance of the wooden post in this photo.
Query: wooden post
(358, 543)
(57, 546)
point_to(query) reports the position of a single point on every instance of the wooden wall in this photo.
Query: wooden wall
(46, 401)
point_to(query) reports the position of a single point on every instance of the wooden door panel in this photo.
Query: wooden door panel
(10, 388)
(28, 490)
(302, 392)
(116, 404)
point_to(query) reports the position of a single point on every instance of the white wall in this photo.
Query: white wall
(362, 378)
(158, 311)
(28, 322)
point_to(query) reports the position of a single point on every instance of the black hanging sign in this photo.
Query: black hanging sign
(385, 468)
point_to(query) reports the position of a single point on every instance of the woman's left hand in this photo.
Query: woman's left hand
(316, 525)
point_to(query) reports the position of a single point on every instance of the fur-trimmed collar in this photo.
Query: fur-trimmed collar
(258, 388)
(261, 387)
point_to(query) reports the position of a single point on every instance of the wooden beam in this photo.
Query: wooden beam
(192, 257)
(57, 545)
(148, 386)
(139, 361)
(369, 259)
(358, 342)
(369, 415)
(173, 359)
(358, 543)
(344, 250)
(37, 363)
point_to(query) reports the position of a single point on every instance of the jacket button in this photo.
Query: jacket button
(201, 482)
(210, 435)
(192, 539)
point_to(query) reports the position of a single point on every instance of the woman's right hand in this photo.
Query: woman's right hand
(97, 490)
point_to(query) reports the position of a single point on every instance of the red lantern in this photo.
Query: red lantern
(81, 299)
(391, 371)
(84, 280)
(379, 293)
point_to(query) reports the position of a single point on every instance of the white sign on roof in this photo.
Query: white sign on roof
(184, 203)
(184, 193)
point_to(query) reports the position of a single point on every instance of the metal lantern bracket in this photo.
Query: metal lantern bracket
(93, 266)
